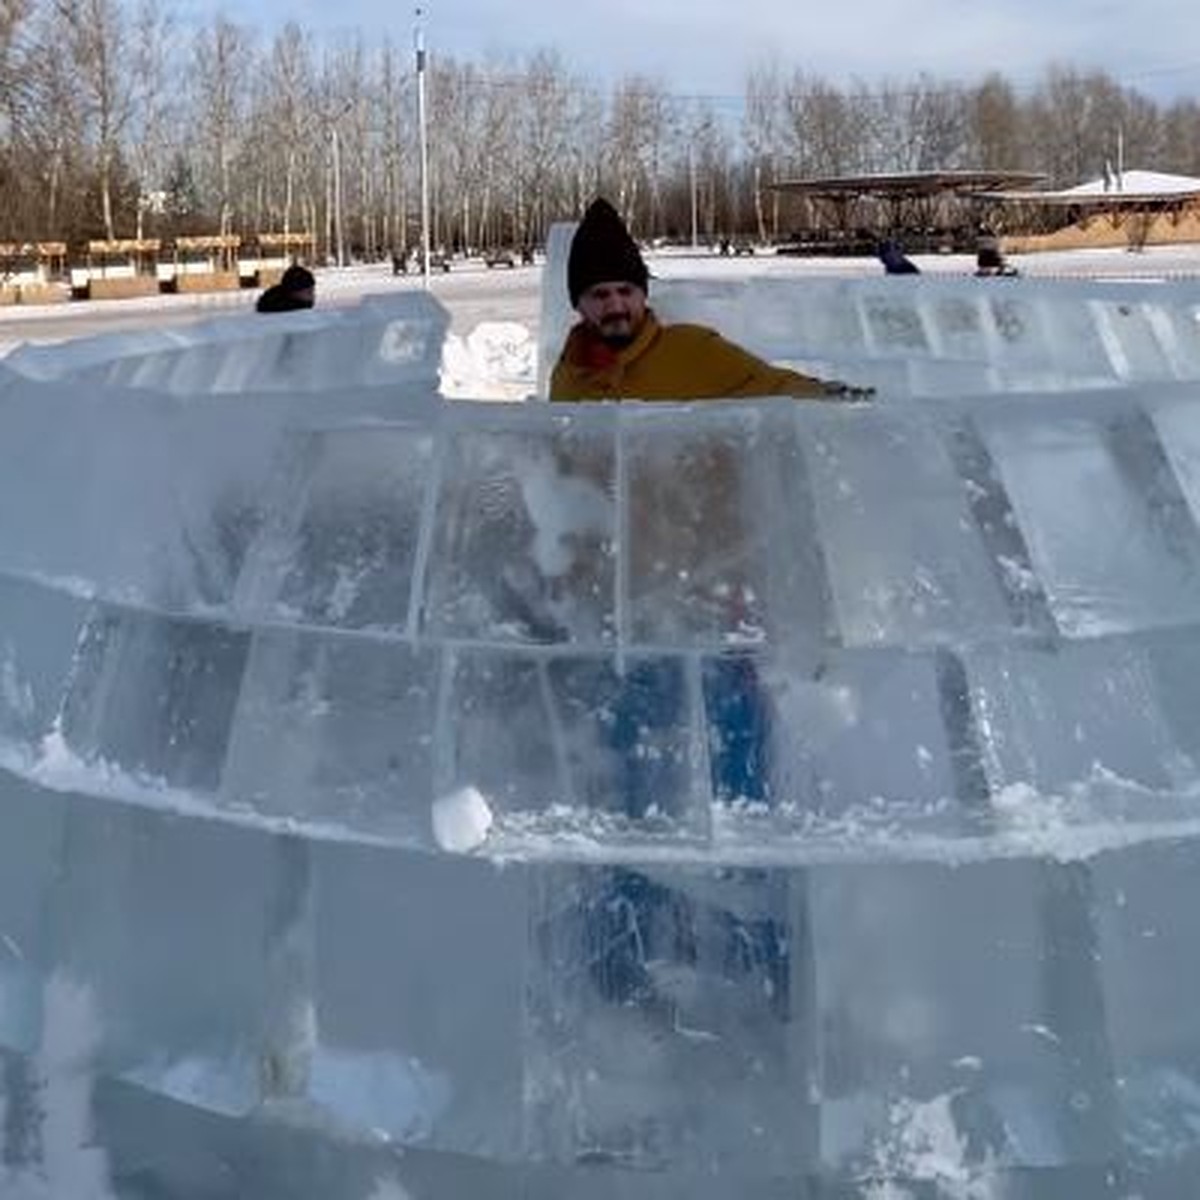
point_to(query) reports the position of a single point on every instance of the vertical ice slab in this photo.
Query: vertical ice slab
(718, 534)
(556, 315)
(873, 733)
(1053, 716)
(336, 730)
(907, 566)
(30, 867)
(1102, 514)
(341, 547)
(655, 997)
(154, 697)
(40, 628)
(176, 964)
(410, 1041)
(978, 987)
(501, 731)
(523, 545)
(1146, 941)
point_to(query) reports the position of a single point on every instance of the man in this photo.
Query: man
(619, 350)
(296, 289)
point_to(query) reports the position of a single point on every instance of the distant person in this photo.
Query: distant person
(619, 349)
(295, 290)
(988, 258)
(895, 261)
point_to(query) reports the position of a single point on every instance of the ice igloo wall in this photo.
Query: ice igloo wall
(425, 799)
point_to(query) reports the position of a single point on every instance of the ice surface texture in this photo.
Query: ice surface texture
(765, 799)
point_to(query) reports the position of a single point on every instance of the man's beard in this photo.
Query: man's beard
(617, 333)
(616, 341)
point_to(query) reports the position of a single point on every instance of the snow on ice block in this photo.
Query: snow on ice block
(726, 799)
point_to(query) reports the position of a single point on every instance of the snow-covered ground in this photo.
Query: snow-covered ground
(494, 313)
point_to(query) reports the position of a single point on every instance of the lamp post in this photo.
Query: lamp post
(692, 184)
(419, 46)
(337, 198)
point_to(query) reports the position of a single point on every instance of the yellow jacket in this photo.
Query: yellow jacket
(669, 362)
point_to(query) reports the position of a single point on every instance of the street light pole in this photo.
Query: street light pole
(337, 199)
(692, 181)
(419, 45)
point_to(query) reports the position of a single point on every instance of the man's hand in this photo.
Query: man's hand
(846, 391)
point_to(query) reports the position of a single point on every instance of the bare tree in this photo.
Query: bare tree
(52, 135)
(458, 100)
(763, 134)
(920, 126)
(993, 119)
(1143, 133)
(1073, 120)
(222, 60)
(290, 111)
(587, 134)
(1180, 128)
(822, 127)
(640, 120)
(497, 170)
(15, 103)
(13, 15)
(396, 121)
(344, 121)
(96, 36)
(257, 137)
(152, 101)
(712, 156)
(543, 131)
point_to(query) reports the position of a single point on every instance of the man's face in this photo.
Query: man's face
(614, 310)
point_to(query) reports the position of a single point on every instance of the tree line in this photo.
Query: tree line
(115, 121)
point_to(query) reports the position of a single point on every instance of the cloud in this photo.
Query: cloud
(706, 47)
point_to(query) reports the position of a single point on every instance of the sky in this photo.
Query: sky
(706, 47)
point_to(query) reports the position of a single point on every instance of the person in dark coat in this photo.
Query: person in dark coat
(989, 260)
(296, 289)
(895, 261)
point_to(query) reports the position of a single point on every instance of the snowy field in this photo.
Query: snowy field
(494, 313)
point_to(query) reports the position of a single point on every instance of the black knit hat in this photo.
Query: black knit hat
(297, 279)
(603, 252)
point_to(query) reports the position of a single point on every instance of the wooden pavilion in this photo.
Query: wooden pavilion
(926, 210)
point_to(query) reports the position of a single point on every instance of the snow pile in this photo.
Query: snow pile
(497, 360)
